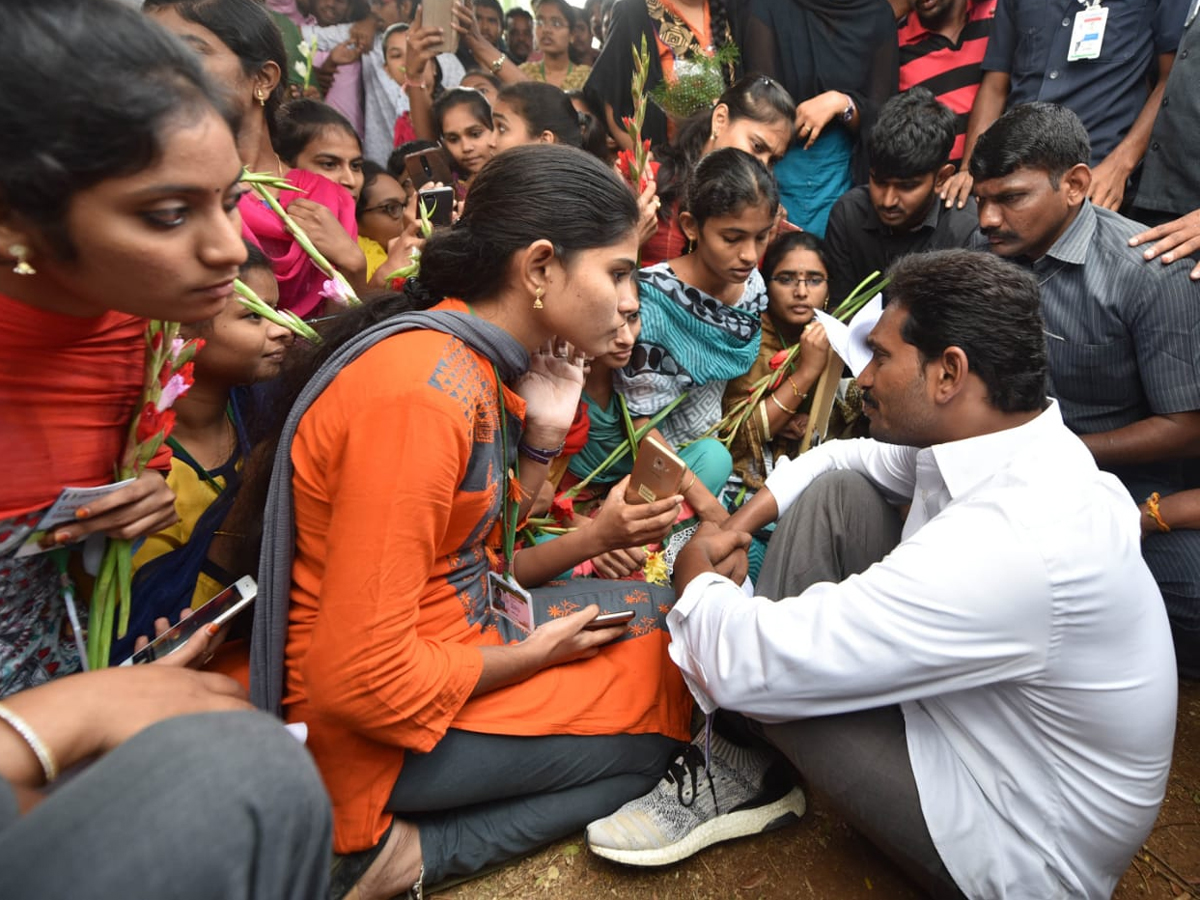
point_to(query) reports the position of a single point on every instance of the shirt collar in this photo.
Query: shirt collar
(915, 31)
(966, 464)
(1072, 245)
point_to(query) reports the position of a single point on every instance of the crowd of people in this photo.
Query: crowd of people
(436, 309)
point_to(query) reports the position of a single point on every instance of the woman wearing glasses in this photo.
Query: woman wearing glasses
(797, 284)
(383, 216)
(795, 270)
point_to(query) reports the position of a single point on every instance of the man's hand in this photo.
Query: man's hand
(957, 189)
(1172, 240)
(712, 549)
(1108, 183)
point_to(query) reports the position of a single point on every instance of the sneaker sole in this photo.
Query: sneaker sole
(742, 823)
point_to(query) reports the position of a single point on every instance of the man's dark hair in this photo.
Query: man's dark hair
(515, 13)
(912, 137)
(1042, 136)
(492, 5)
(986, 306)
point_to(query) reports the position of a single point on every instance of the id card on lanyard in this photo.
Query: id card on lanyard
(1087, 37)
(506, 598)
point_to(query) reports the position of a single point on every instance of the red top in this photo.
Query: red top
(69, 387)
(951, 71)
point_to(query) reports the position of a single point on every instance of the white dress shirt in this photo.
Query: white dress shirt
(1017, 627)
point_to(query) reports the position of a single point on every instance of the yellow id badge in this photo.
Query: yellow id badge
(508, 599)
(1087, 38)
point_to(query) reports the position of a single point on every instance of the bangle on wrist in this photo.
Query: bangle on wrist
(409, 83)
(790, 412)
(541, 455)
(498, 64)
(1153, 512)
(765, 420)
(796, 391)
(688, 486)
(36, 744)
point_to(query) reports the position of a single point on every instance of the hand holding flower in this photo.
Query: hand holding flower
(328, 236)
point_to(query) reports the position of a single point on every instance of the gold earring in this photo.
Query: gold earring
(537, 298)
(261, 98)
(21, 252)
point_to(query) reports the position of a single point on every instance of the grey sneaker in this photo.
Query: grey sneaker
(688, 810)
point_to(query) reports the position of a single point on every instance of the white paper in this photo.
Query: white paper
(68, 503)
(850, 341)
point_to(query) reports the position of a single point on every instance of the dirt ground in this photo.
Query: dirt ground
(820, 857)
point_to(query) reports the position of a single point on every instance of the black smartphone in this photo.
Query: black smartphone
(608, 620)
(439, 204)
(219, 610)
(429, 165)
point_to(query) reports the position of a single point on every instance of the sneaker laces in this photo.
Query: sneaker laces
(686, 768)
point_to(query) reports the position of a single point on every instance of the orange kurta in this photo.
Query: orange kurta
(397, 489)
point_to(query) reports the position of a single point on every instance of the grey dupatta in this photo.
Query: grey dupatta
(268, 638)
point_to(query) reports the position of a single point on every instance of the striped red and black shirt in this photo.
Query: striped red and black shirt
(951, 71)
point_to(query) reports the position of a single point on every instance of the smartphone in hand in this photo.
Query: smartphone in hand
(657, 473)
(439, 204)
(217, 611)
(608, 620)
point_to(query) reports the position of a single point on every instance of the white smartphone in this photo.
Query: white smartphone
(217, 611)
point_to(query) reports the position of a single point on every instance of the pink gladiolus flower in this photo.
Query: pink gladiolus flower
(175, 388)
(337, 292)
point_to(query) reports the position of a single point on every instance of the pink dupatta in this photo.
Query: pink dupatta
(299, 279)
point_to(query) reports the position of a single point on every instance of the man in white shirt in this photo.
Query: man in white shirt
(993, 701)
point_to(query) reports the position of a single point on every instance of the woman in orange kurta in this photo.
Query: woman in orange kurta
(417, 708)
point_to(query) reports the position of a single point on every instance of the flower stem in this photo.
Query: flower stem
(260, 186)
(283, 318)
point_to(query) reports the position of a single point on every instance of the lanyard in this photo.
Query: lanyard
(509, 510)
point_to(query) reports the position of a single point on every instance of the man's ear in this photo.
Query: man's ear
(952, 369)
(1076, 183)
(943, 175)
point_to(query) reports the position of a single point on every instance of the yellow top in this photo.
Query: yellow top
(193, 495)
(374, 252)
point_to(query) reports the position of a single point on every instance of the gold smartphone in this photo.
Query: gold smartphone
(657, 473)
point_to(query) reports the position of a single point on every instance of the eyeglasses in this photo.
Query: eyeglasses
(550, 23)
(393, 208)
(789, 280)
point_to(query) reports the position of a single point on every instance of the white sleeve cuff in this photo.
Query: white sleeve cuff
(692, 669)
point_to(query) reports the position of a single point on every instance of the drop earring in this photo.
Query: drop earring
(21, 252)
(537, 298)
(261, 98)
